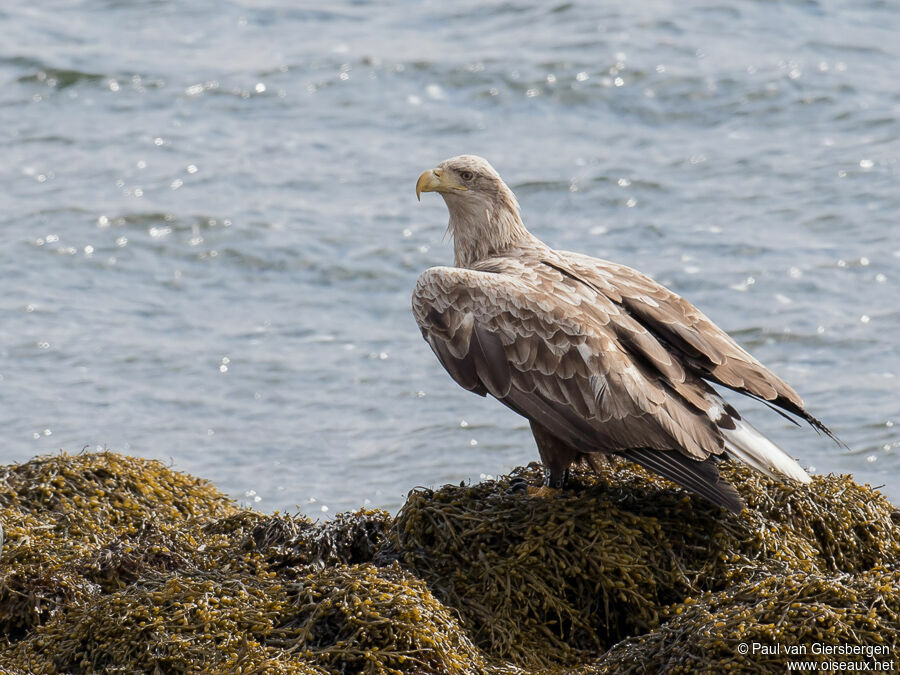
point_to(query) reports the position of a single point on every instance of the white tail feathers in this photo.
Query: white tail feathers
(755, 450)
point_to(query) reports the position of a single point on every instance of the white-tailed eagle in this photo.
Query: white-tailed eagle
(600, 358)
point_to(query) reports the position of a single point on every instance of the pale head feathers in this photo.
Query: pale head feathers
(484, 217)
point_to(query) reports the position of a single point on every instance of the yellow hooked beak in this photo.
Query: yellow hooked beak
(437, 180)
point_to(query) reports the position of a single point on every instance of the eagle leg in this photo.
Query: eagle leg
(556, 456)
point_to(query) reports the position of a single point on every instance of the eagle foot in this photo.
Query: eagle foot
(554, 483)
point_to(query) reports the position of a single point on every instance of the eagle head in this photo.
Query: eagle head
(484, 212)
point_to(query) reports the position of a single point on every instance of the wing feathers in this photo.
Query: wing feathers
(685, 330)
(462, 370)
(458, 339)
(490, 361)
(571, 361)
(606, 360)
(700, 477)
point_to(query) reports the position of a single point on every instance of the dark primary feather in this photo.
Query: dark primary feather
(700, 477)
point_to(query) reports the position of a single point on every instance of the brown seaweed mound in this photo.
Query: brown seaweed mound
(117, 564)
(68, 519)
(549, 581)
(810, 611)
(363, 618)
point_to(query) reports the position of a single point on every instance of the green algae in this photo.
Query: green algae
(118, 564)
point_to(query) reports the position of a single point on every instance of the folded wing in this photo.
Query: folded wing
(550, 348)
(684, 330)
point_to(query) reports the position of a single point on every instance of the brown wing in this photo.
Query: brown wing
(547, 347)
(702, 346)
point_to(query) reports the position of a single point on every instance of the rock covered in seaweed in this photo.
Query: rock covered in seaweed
(800, 609)
(64, 514)
(117, 563)
(366, 618)
(558, 580)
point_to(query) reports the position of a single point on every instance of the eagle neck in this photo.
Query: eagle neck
(486, 235)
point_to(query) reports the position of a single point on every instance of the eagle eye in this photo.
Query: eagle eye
(466, 175)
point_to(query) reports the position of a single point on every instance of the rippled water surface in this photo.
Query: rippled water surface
(210, 233)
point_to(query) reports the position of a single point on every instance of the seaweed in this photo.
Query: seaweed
(368, 619)
(348, 538)
(768, 617)
(61, 512)
(119, 564)
(549, 581)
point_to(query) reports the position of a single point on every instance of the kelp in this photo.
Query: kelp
(119, 564)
